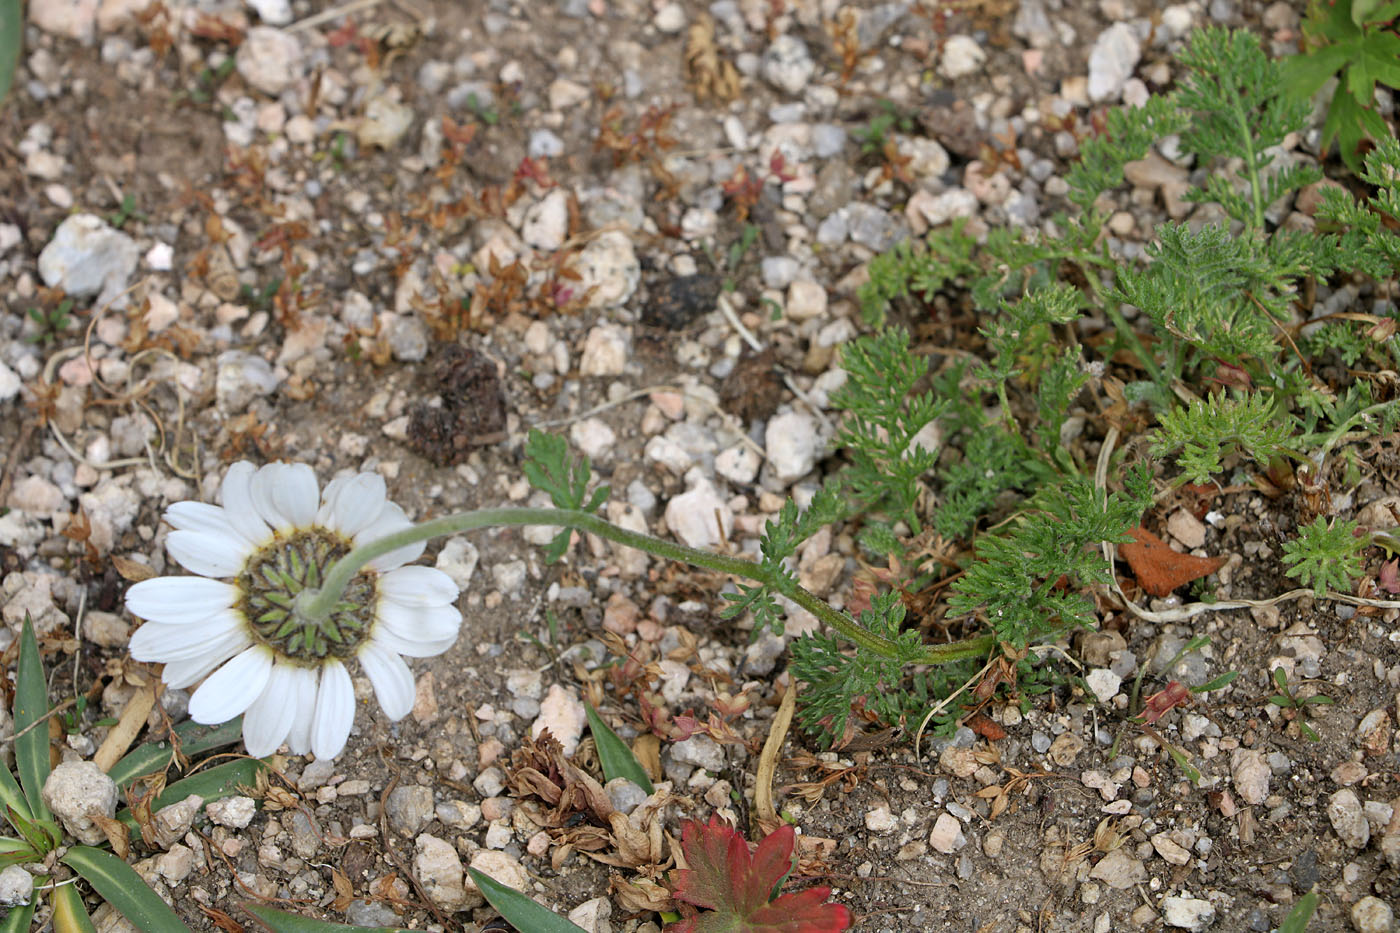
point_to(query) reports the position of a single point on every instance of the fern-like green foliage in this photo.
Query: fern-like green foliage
(840, 681)
(1368, 245)
(1326, 557)
(884, 414)
(549, 467)
(1029, 581)
(905, 270)
(779, 544)
(1207, 431)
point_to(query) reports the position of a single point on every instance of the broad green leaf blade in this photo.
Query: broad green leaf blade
(519, 910)
(1304, 75)
(220, 781)
(11, 40)
(121, 887)
(194, 739)
(69, 914)
(1298, 917)
(11, 797)
(280, 921)
(617, 759)
(17, 920)
(31, 705)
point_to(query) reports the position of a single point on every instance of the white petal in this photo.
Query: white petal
(200, 516)
(269, 490)
(237, 497)
(335, 711)
(393, 681)
(297, 494)
(157, 641)
(208, 555)
(269, 719)
(353, 504)
(417, 587)
(390, 520)
(305, 682)
(181, 674)
(411, 647)
(232, 688)
(417, 626)
(179, 600)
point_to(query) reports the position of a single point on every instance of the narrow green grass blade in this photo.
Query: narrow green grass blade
(211, 784)
(31, 705)
(11, 41)
(1298, 918)
(69, 914)
(11, 797)
(279, 921)
(617, 759)
(194, 740)
(17, 920)
(519, 910)
(121, 887)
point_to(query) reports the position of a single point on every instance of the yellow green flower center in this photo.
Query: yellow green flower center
(276, 575)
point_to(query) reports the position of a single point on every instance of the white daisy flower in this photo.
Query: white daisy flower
(234, 628)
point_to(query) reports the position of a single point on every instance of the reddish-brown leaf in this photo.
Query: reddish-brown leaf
(1175, 694)
(1389, 577)
(738, 885)
(1160, 569)
(985, 727)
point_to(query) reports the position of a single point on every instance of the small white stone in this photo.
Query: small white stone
(691, 517)
(962, 55)
(1111, 62)
(805, 300)
(1103, 683)
(1187, 913)
(1250, 772)
(792, 443)
(670, 18)
(385, 122)
(89, 257)
(881, 820)
(565, 94)
(1348, 818)
(273, 12)
(1372, 915)
(1187, 528)
(593, 438)
(947, 834)
(233, 812)
(438, 867)
(563, 715)
(16, 886)
(547, 221)
(269, 59)
(501, 867)
(592, 916)
(604, 351)
(738, 464)
(609, 270)
(787, 64)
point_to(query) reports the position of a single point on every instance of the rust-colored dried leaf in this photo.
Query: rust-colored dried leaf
(985, 727)
(1158, 568)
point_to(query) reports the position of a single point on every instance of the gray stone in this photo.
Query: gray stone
(1115, 54)
(1187, 913)
(792, 444)
(16, 886)
(1119, 870)
(269, 59)
(624, 795)
(1348, 818)
(691, 516)
(547, 221)
(408, 338)
(828, 140)
(75, 792)
(240, 378)
(787, 64)
(874, 228)
(544, 144)
(370, 914)
(1250, 772)
(409, 808)
(172, 822)
(306, 842)
(700, 751)
(609, 269)
(88, 257)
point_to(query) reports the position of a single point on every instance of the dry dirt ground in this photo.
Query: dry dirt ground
(333, 229)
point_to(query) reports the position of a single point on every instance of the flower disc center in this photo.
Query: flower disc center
(279, 573)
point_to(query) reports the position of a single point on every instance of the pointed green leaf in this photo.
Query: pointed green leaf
(11, 797)
(1304, 75)
(614, 755)
(280, 921)
(519, 910)
(69, 914)
(194, 739)
(31, 705)
(1298, 917)
(557, 547)
(1217, 683)
(600, 495)
(11, 41)
(17, 920)
(121, 887)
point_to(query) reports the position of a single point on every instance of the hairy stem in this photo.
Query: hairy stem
(343, 570)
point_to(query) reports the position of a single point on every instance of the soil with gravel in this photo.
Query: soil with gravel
(396, 238)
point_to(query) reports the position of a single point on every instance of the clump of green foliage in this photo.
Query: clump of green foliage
(1355, 41)
(1326, 556)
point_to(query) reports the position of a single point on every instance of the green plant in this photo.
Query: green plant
(1296, 707)
(1301, 914)
(125, 211)
(1326, 556)
(40, 842)
(887, 119)
(1355, 40)
(52, 323)
(11, 41)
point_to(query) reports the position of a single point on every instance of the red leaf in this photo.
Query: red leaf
(736, 885)
(1160, 569)
(1160, 702)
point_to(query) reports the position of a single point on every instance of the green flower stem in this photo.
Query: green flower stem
(344, 570)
